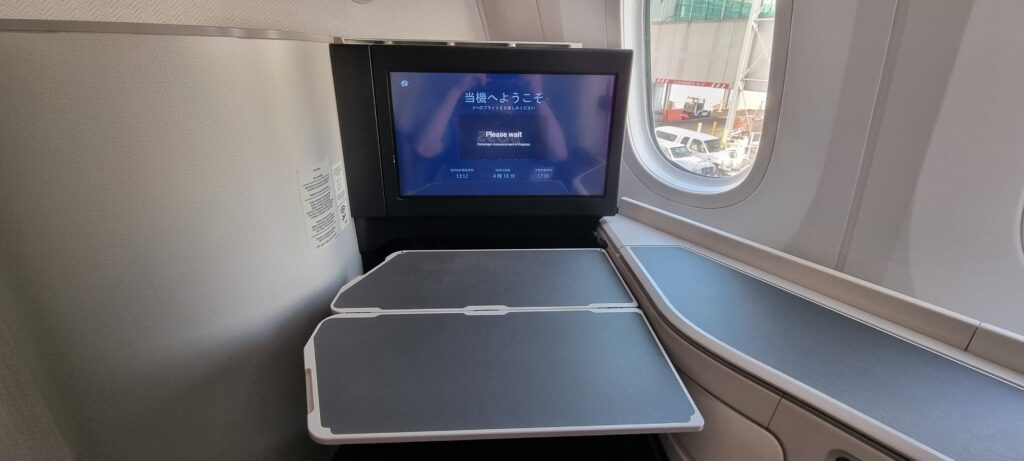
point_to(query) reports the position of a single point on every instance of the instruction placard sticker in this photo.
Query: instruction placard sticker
(318, 205)
(341, 195)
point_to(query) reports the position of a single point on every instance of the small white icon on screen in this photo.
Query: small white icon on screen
(405, 83)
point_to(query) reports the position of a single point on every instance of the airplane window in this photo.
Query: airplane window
(709, 62)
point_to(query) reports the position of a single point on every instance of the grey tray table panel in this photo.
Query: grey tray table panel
(952, 408)
(512, 278)
(527, 370)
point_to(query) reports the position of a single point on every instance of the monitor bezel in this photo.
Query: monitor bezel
(457, 59)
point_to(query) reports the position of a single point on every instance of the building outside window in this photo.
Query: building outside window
(710, 62)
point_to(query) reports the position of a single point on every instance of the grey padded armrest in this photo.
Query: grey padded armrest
(456, 279)
(445, 376)
(943, 404)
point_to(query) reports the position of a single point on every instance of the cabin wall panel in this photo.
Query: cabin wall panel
(513, 21)
(727, 434)
(27, 430)
(159, 282)
(580, 21)
(808, 437)
(419, 19)
(941, 213)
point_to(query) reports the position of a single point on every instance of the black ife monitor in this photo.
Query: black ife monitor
(474, 131)
(500, 134)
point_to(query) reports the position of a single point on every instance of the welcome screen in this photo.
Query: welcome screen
(461, 134)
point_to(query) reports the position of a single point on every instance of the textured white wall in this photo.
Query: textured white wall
(941, 214)
(579, 21)
(158, 280)
(452, 19)
(708, 51)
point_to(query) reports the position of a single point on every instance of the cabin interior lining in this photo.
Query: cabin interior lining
(626, 235)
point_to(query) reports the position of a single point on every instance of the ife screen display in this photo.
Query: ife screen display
(501, 135)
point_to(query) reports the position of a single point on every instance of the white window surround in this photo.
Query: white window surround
(640, 152)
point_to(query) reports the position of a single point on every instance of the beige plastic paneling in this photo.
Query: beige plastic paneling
(159, 279)
(999, 345)
(419, 19)
(726, 435)
(940, 217)
(577, 21)
(519, 20)
(624, 231)
(806, 437)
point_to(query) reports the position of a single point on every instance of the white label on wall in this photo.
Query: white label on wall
(318, 205)
(341, 195)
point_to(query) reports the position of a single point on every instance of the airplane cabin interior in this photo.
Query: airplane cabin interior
(674, 230)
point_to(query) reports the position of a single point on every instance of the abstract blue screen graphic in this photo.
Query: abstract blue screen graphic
(472, 134)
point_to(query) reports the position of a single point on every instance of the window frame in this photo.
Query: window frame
(641, 153)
